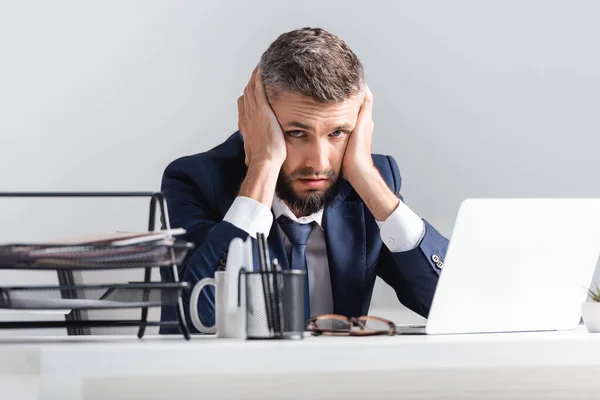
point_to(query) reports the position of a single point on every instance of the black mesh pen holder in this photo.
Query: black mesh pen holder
(274, 303)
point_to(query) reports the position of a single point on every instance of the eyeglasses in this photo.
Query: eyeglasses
(340, 325)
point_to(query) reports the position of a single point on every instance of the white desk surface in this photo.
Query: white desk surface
(499, 366)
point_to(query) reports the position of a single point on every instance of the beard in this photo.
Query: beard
(315, 199)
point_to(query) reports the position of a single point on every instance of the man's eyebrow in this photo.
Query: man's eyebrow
(342, 128)
(300, 125)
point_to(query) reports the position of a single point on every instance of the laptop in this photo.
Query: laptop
(516, 265)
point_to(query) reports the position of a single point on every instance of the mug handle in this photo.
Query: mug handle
(194, 306)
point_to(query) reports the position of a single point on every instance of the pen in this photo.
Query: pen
(273, 291)
(263, 270)
(278, 281)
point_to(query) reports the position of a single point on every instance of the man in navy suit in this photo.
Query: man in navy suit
(300, 170)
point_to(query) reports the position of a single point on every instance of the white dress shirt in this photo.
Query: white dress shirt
(403, 230)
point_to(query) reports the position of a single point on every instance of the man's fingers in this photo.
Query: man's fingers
(252, 85)
(241, 114)
(368, 103)
(250, 93)
(368, 92)
(248, 102)
(259, 89)
(366, 109)
(248, 97)
(251, 80)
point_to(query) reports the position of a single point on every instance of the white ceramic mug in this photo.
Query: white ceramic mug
(219, 283)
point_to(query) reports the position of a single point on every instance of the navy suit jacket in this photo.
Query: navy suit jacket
(199, 190)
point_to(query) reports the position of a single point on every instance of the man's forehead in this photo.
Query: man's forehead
(283, 96)
(293, 107)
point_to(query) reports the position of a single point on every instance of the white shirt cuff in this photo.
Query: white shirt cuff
(403, 230)
(250, 216)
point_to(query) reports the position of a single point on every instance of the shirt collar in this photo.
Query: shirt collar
(280, 208)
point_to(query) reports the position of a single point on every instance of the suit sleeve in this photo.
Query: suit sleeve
(413, 274)
(189, 205)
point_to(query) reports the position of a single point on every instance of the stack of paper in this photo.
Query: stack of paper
(119, 238)
(92, 249)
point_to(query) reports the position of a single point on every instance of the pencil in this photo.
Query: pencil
(265, 280)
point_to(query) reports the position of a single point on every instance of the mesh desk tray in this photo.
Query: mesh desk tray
(100, 296)
(74, 297)
(82, 257)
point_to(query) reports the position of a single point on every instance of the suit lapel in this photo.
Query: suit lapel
(345, 237)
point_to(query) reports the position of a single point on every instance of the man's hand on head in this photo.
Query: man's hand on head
(264, 143)
(358, 167)
(357, 158)
(263, 137)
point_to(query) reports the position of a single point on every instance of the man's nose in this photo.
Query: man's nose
(318, 157)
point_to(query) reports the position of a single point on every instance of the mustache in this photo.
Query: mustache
(310, 172)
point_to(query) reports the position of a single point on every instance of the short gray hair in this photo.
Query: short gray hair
(314, 63)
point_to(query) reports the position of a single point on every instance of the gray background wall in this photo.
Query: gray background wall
(473, 98)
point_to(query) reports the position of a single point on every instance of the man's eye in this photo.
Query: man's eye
(296, 134)
(338, 133)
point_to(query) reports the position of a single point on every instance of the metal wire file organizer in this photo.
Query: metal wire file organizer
(69, 260)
